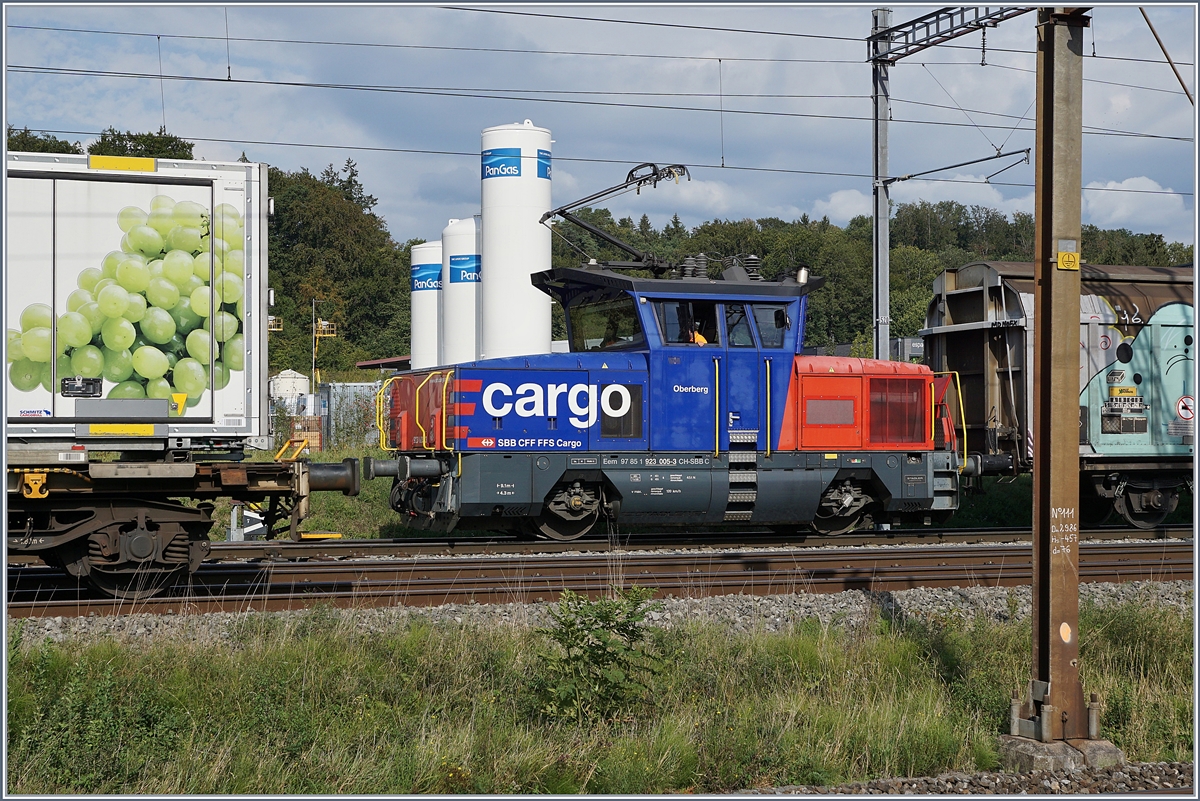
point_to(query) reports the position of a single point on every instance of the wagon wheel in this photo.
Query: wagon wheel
(558, 528)
(140, 577)
(135, 584)
(1093, 510)
(1143, 518)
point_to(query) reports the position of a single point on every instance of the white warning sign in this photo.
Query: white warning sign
(1185, 408)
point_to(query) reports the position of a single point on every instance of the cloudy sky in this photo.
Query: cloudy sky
(791, 79)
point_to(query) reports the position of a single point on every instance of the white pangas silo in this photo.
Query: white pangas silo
(424, 347)
(515, 173)
(461, 310)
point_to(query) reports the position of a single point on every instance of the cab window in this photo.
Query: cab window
(688, 322)
(737, 326)
(607, 325)
(773, 322)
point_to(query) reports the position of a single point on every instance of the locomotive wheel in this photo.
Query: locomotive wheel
(833, 526)
(1155, 506)
(570, 512)
(554, 527)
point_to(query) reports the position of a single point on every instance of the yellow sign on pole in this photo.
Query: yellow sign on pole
(1068, 261)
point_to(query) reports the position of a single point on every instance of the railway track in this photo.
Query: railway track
(459, 546)
(287, 550)
(427, 581)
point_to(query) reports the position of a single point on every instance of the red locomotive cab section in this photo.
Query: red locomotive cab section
(420, 417)
(843, 404)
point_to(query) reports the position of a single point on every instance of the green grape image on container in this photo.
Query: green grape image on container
(153, 316)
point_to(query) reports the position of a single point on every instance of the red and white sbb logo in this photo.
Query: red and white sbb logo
(481, 442)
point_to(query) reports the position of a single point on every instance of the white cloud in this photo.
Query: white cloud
(1140, 211)
(842, 205)
(707, 198)
(970, 190)
(1120, 103)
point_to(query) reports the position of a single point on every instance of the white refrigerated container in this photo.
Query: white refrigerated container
(75, 222)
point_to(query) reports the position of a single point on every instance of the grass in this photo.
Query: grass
(315, 703)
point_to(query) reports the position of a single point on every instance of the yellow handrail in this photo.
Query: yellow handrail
(380, 397)
(417, 411)
(716, 407)
(446, 414)
(932, 411)
(962, 415)
(768, 426)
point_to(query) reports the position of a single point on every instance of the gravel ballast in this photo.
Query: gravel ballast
(739, 612)
(1134, 777)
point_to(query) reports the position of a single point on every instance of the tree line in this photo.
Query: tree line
(326, 242)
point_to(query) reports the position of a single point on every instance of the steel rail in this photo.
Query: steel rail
(429, 582)
(468, 545)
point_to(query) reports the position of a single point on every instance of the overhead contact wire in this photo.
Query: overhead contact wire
(530, 51)
(436, 92)
(627, 162)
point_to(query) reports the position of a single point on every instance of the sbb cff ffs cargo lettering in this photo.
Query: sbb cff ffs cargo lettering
(681, 402)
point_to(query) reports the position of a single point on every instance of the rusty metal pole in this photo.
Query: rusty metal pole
(1055, 695)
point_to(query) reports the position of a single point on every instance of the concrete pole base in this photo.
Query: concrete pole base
(1024, 755)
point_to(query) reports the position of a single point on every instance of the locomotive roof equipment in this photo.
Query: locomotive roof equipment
(642, 175)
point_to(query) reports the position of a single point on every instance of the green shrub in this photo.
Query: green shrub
(600, 667)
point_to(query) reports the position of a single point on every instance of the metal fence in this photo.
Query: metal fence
(347, 413)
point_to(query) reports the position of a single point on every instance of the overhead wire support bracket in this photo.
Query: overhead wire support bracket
(886, 45)
(891, 45)
(1025, 153)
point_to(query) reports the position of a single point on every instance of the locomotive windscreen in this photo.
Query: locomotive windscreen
(691, 322)
(606, 325)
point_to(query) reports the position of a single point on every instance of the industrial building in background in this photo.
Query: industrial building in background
(515, 178)
(471, 293)
(426, 304)
(462, 255)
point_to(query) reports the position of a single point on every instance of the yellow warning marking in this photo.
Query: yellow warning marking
(34, 485)
(178, 403)
(1122, 392)
(831, 456)
(123, 163)
(1068, 261)
(319, 535)
(123, 429)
